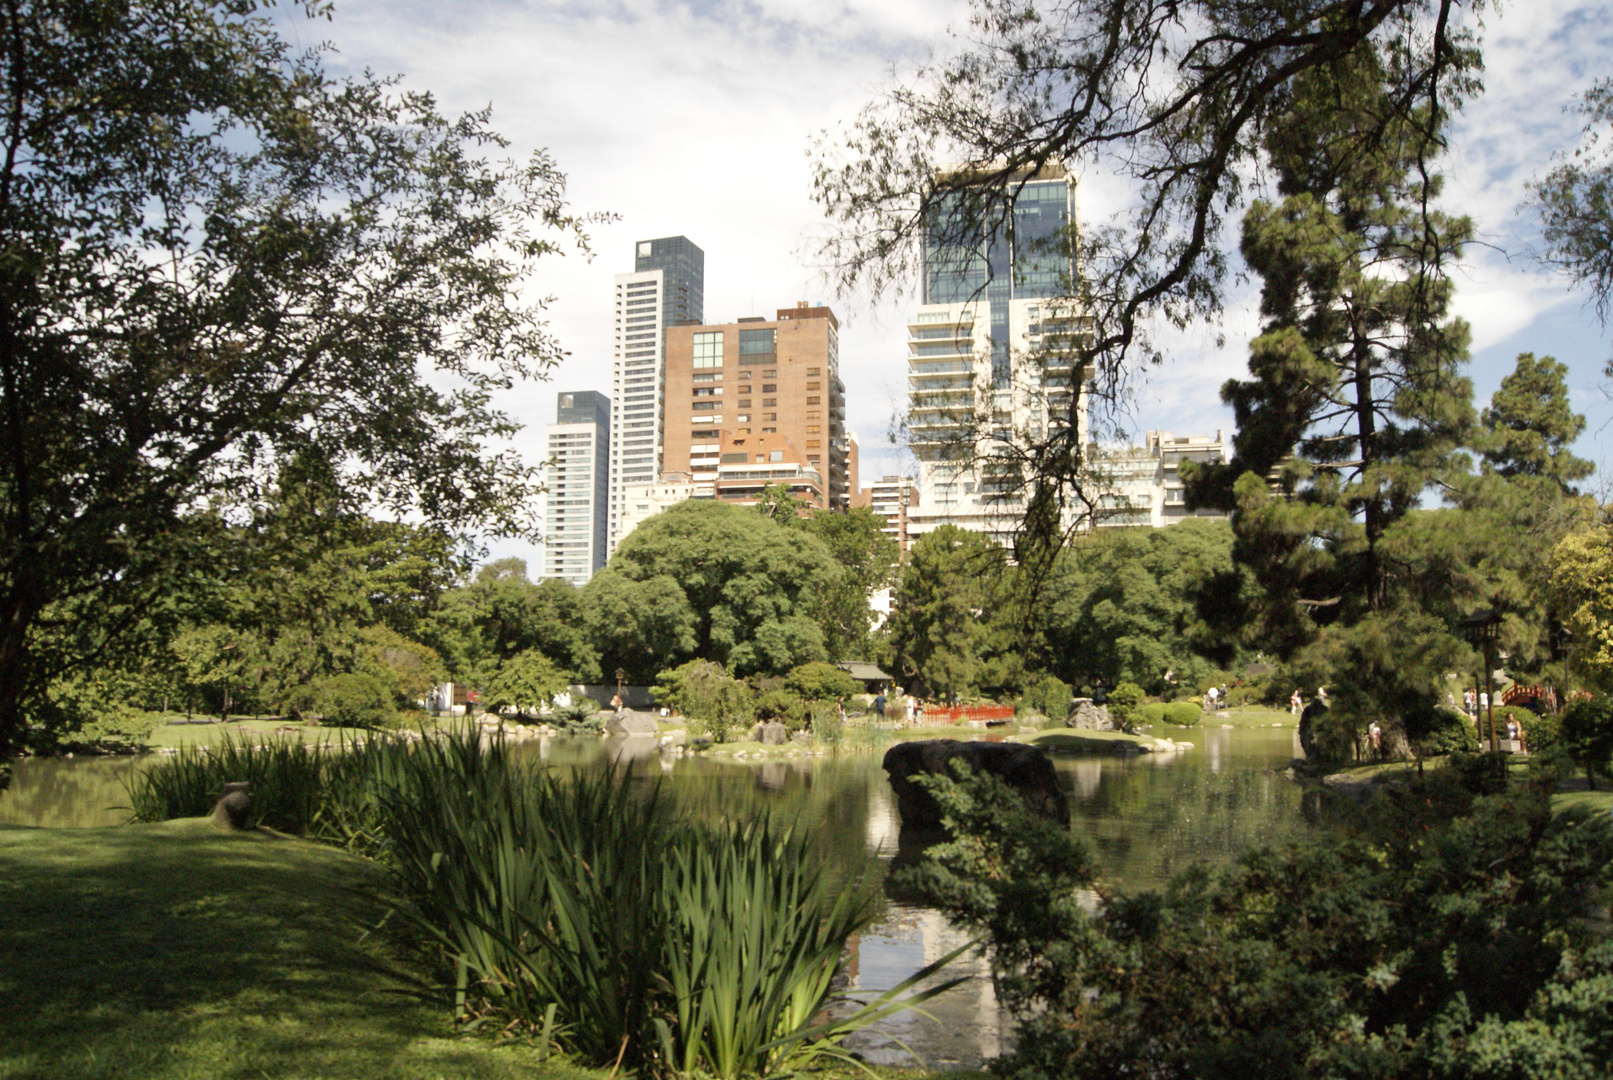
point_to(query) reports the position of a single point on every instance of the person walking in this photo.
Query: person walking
(1295, 702)
(879, 706)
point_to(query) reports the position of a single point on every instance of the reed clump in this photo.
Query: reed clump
(587, 909)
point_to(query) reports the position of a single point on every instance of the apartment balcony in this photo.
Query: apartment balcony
(933, 319)
(938, 369)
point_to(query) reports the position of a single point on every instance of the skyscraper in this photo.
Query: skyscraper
(578, 487)
(988, 357)
(666, 287)
(759, 401)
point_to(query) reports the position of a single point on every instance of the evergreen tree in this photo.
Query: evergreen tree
(1531, 425)
(1357, 404)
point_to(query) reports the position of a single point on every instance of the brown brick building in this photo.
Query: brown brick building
(758, 401)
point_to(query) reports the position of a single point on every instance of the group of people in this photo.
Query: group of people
(914, 708)
(1475, 704)
(1296, 700)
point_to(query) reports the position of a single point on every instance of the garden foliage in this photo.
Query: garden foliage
(1442, 935)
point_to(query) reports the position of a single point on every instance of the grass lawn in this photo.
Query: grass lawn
(174, 951)
(211, 732)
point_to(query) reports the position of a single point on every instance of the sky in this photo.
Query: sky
(698, 118)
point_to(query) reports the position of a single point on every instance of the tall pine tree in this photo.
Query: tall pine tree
(1357, 404)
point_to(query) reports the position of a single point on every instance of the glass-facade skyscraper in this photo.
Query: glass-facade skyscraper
(666, 287)
(988, 356)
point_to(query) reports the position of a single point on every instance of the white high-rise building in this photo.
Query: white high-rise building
(989, 365)
(578, 485)
(666, 287)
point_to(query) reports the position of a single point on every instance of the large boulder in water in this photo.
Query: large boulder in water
(1026, 769)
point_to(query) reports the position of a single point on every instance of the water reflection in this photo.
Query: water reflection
(1148, 817)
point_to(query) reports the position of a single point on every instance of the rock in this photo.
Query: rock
(774, 733)
(1026, 769)
(233, 807)
(1089, 717)
(628, 722)
(1307, 729)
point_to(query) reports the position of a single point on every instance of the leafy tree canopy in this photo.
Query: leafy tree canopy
(712, 581)
(214, 256)
(1121, 604)
(954, 626)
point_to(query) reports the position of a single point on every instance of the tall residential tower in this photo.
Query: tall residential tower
(989, 352)
(578, 483)
(666, 288)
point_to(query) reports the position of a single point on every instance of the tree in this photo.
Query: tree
(1120, 604)
(730, 585)
(1582, 583)
(1439, 936)
(1357, 404)
(528, 680)
(1575, 201)
(869, 561)
(948, 625)
(501, 613)
(1532, 424)
(1173, 95)
(215, 256)
(819, 681)
(1588, 735)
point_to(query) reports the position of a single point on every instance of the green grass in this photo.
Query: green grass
(204, 732)
(1080, 741)
(174, 952)
(1599, 801)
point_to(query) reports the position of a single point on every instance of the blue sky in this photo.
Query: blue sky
(696, 118)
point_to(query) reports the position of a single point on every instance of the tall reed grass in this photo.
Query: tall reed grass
(632, 931)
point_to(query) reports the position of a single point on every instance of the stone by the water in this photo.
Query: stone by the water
(1026, 769)
(1089, 717)
(774, 733)
(234, 806)
(629, 722)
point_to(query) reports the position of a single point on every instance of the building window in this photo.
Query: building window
(770, 403)
(744, 402)
(741, 419)
(706, 434)
(767, 430)
(706, 405)
(811, 371)
(814, 401)
(770, 388)
(814, 444)
(758, 346)
(770, 373)
(775, 455)
(708, 349)
(814, 386)
(814, 416)
(814, 429)
(707, 391)
(769, 416)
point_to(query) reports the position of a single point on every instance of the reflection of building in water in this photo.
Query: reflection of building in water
(965, 1026)
(1087, 773)
(883, 822)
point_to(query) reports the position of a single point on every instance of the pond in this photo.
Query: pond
(1147, 817)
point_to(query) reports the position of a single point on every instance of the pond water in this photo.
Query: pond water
(1147, 817)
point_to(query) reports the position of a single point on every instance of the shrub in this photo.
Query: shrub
(1152, 713)
(783, 706)
(827, 727)
(1541, 731)
(1442, 731)
(1587, 733)
(353, 700)
(1124, 701)
(710, 700)
(1183, 713)
(819, 681)
(1048, 695)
